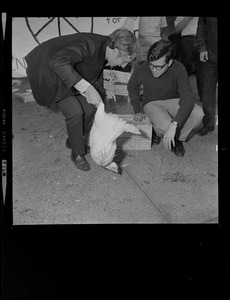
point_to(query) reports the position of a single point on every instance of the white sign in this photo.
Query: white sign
(27, 33)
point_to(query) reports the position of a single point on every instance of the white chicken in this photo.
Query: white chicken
(102, 139)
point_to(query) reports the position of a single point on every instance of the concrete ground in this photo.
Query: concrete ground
(155, 186)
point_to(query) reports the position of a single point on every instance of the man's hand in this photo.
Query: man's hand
(92, 96)
(169, 136)
(204, 56)
(139, 117)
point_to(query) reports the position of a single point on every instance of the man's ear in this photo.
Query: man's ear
(116, 52)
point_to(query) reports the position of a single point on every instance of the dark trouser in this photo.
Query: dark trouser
(210, 75)
(175, 39)
(78, 115)
(188, 56)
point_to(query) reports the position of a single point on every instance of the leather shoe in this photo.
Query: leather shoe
(67, 144)
(178, 150)
(80, 162)
(205, 130)
(156, 139)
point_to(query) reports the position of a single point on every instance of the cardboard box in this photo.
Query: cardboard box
(130, 141)
(116, 81)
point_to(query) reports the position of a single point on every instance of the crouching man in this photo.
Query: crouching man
(167, 99)
(67, 71)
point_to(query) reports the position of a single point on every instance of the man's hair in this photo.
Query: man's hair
(124, 40)
(159, 49)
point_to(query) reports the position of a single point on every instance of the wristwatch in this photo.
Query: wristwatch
(176, 123)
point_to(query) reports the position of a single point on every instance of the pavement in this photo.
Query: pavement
(155, 186)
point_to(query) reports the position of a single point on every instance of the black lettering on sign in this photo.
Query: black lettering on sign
(114, 19)
(23, 63)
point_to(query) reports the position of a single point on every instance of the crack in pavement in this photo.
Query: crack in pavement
(143, 191)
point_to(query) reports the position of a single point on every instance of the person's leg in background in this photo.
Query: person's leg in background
(144, 45)
(175, 39)
(210, 77)
(190, 57)
(199, 74)
(186, 54)
(78, 114)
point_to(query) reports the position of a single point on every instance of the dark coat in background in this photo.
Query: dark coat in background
(206, 37)
(56, 65)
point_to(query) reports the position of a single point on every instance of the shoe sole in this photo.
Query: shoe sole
(207, 131)
(202, 134)
(180, 155)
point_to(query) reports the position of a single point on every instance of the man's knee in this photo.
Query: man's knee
(74, 115)
(70, 107)
(161, 128)
(88, 109)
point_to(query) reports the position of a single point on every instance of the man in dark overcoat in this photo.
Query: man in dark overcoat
(67, 71)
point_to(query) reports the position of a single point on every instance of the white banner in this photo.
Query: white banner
(27, 33)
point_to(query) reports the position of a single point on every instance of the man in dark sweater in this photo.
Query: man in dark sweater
(167, 100)
(67, 70)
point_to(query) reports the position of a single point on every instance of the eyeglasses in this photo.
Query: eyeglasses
(156, 67)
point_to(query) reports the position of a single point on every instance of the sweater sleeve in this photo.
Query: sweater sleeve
(134, 91)
(62, 62)
(187, 99)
